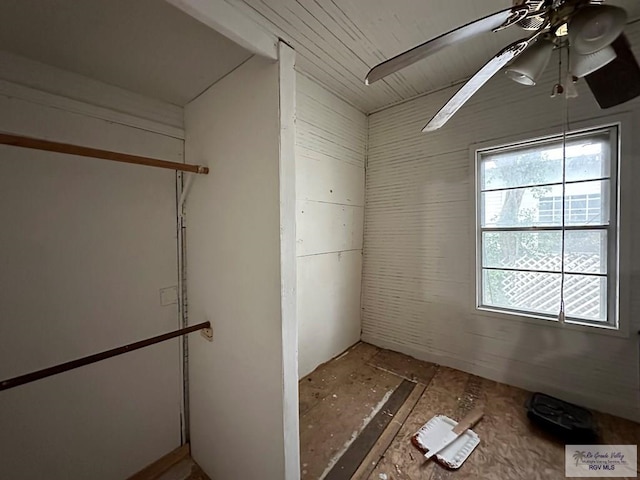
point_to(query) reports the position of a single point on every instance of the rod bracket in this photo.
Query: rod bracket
(207, 333)
(185, 193)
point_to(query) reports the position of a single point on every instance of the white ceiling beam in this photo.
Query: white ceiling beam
(232, 23)
(46, 85)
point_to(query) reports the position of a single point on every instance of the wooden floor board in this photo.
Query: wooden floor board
(163, 464)
(319, 383)
(511, 448)
(327, 429)
(350, 460)
(404, 366)
(375, 454)
(176, 465)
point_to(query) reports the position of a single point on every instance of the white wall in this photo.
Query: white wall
(330, 154)
(240, 413)
(85, 245)
(419, 239)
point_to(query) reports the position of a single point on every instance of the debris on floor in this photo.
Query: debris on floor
(451, 442)
(567, 421)
(363, 377)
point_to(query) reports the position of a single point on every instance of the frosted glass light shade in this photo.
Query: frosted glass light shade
(530, 65)
(594, 27)
(582, 65)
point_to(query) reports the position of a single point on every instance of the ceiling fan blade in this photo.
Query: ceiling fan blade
(478, 80)
(503, 18)
(619, 81)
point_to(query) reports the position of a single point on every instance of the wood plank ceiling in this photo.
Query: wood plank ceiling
(337, 41)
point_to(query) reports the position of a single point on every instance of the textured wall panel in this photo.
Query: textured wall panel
(329, 290)
(325, 179)
(330, 153)
(328, 227)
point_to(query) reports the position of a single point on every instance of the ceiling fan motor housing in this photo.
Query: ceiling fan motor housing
(533, 21)
(538, 10)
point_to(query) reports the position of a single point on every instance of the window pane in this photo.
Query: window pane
(585, 297)
(593, 201)
(550, 207)
(522, 250)
(586, 157)
(586, 203)
(586, 251)
(521, 207)
(520, 167)
(524, 291)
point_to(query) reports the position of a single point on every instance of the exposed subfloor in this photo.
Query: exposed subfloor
(340, 398)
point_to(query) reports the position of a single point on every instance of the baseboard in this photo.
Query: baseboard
(157, 468)
(513, 378)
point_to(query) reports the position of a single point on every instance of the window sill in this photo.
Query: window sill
(544, 322)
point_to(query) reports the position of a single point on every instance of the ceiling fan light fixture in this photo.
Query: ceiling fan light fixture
(530, 65)
(595, 27)
(562, 30)
(583, 65)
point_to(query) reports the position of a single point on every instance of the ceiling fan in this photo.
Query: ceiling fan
(599, 51)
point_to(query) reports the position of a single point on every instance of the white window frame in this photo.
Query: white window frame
(618, 297)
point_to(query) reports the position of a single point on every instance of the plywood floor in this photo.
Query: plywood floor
(339, 398)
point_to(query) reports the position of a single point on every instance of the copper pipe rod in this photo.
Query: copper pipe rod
(27, 142)
(80, 362)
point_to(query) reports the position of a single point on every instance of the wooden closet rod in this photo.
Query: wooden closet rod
(27, 142)
(81, 362)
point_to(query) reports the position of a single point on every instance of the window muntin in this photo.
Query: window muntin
(521, 232)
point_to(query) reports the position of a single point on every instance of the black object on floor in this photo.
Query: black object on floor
(569, 422)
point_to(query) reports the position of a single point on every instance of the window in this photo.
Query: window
(547, 227)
